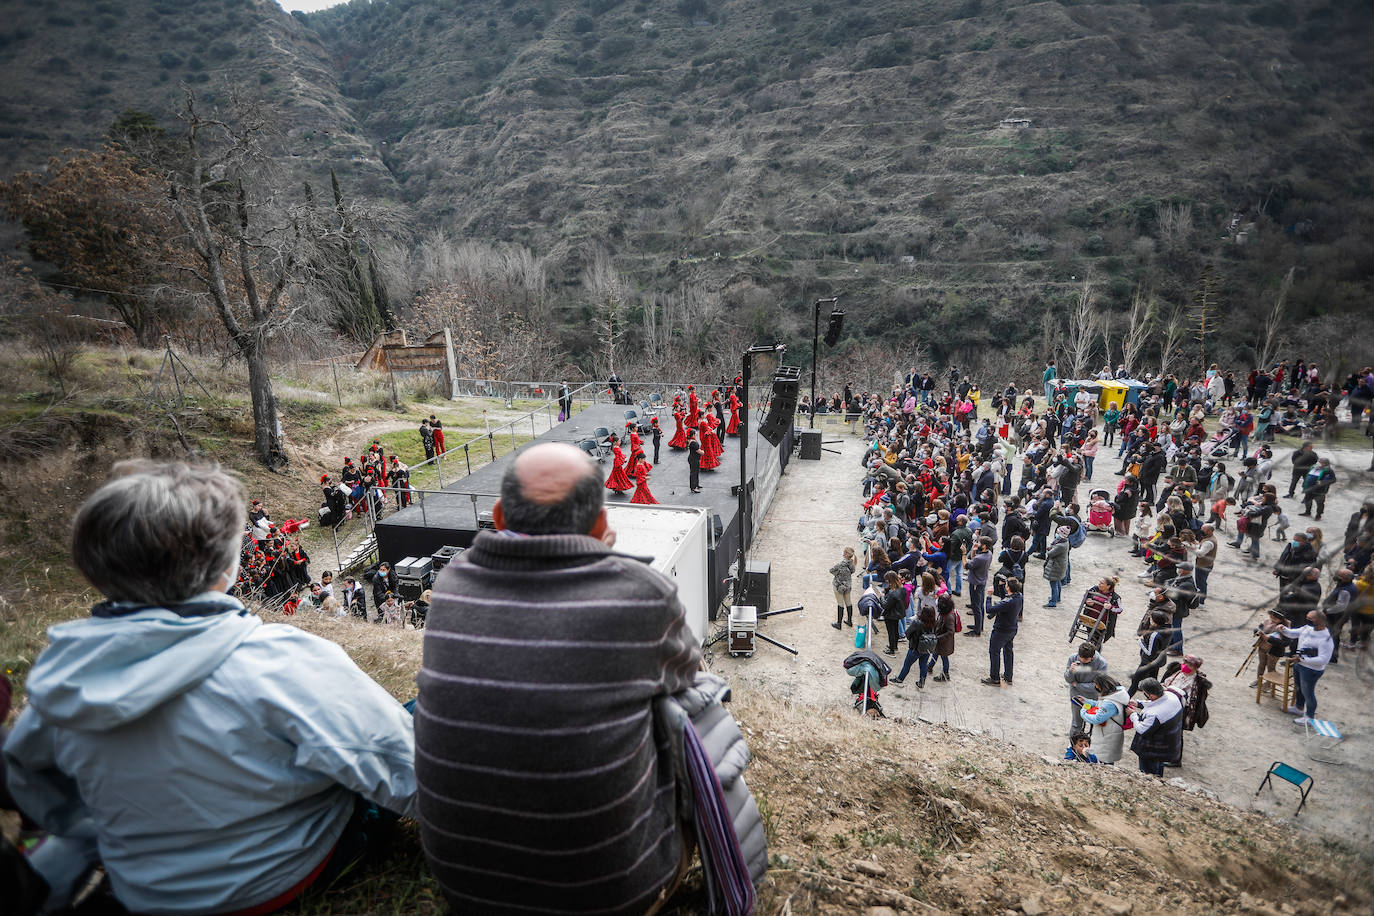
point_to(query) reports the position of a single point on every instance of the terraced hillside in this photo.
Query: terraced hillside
(953, 168)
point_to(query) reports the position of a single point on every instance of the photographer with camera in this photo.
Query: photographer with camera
(1314, 652)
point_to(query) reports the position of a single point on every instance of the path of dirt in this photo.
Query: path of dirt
(813, 517)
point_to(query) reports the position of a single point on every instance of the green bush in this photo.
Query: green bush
(583, 24)
(168, 60)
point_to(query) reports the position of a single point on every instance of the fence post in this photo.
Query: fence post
(439, 465)
(491, 445)
(424, 518)
(467, 457)
(338, 560)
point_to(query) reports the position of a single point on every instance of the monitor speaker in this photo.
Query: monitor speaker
(757, 584)
(782, 409)
(811, 444)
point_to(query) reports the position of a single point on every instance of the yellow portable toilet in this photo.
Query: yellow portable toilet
(1112, 392)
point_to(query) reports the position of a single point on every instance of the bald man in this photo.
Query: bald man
(542, 786)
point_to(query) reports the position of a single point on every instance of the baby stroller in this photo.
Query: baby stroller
(1222, 445)
(1100, 512)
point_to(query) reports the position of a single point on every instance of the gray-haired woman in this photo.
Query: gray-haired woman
(211, 763)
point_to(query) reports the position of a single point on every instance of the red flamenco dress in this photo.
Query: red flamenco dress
(642, 496)
(619, 480)
(733, 428)
(693, 411)
(710, 444)
(679, 439)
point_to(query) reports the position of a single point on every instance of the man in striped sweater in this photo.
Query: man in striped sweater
(542, 787)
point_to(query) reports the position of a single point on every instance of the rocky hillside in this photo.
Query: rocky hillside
(953, 167)
(72, 66)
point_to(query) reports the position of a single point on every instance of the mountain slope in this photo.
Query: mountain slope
(72, 66)
(774, 152)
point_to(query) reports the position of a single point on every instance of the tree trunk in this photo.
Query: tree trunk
(265, 439)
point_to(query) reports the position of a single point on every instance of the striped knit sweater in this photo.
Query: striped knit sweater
(542, 787)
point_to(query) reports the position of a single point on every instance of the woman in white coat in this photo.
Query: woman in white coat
(1105, 725)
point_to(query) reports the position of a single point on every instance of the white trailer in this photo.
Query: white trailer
(675, 537)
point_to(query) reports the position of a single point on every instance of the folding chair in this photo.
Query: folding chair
(592, 449)
(1323, 741)
(1287, 774)
(631, 415)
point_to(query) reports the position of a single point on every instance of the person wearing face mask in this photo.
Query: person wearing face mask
(1314, 653)
(210, 763)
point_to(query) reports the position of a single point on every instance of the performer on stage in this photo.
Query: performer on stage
(636, 447)
(619, 480)
(710, 444)
(657, 432)
(718, 407)
(693, 408)
(733, 428)
(679, 439)
(642, 496)
(693, 463)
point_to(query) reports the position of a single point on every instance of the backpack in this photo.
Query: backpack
(958, 623)
(1078, 535)
(927, 643)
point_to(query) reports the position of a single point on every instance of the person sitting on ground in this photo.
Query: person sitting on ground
(526, 744)
(1077, 751)
(210, 763)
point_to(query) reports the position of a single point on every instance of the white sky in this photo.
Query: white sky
(307, 6)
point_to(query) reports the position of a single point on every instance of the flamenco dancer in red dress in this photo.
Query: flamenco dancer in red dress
(642, 496)
(679, 439)
(619, 480)
(710, 444)
(693, 408)
(733, 428)
(636, 448)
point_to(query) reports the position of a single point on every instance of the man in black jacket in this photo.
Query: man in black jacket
(1299, 598)
(1297, 555)
(1303, 460)
(1150, 468)
(1006, 618)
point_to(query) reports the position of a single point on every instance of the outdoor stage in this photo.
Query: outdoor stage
(453, 516)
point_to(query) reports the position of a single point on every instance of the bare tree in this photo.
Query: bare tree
(1140, 326)
(247, 246)
(609, 294)
(1271, 336)
(1175, 226)
(1175, 328)
(1203, 313)
(1083, 325)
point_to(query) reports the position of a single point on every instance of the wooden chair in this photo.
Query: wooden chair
(1280, 684)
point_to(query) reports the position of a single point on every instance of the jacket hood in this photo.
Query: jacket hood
(101, 673)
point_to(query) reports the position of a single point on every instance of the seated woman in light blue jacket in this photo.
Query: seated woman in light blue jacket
(211, 763)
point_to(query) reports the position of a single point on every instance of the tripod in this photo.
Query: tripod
(170, 361)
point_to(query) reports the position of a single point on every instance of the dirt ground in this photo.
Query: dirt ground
(813, 518)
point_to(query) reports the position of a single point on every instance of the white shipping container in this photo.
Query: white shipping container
(675, 537)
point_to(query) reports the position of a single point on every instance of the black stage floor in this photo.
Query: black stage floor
(452, 517)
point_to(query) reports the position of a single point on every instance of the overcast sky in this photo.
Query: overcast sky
(308, 6)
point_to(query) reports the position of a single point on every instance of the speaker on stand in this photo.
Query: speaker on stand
(782, 408)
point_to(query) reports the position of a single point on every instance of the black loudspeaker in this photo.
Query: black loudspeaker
(811, 444)
(757, 584)
(782, 409)
(833, 330)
